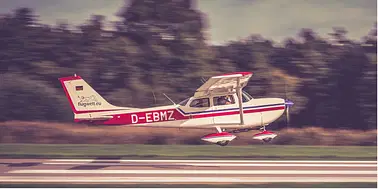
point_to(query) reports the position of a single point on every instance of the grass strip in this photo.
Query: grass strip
(187, 151)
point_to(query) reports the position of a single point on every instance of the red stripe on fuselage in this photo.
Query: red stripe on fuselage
(170, 115)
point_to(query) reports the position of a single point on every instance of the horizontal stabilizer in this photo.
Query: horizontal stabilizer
(97, 118)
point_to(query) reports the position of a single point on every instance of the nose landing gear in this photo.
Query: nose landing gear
(266, 140)
(265, 135)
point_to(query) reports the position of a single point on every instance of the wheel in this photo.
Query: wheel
(223, 143)
(267, 139)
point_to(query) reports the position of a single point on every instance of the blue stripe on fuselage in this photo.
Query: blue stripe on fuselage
(228, 109)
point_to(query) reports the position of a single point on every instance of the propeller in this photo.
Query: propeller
(288, 104)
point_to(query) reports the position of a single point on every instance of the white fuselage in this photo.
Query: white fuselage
(256, 112)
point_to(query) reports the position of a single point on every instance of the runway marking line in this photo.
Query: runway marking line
(182, 179)
(223, 164)
(195, 176)
(285, 165)
(218, 172)
(215, 161)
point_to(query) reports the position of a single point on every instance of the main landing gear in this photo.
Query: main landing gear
(223, 143)
(223, 138)
(263, 135)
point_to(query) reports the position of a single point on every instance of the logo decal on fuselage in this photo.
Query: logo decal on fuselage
(88, 101)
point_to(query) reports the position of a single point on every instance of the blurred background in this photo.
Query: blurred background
(322, 55)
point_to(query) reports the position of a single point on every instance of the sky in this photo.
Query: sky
(230, 19)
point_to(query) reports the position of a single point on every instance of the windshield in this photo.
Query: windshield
(246, 97)
(183, 103)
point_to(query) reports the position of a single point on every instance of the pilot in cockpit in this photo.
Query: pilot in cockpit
(228, 100)
(223, 101)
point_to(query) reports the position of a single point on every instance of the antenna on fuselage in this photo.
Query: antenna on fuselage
(169, 99)
(153, 94)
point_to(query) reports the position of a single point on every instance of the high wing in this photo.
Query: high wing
(224, 83)
(232, 82)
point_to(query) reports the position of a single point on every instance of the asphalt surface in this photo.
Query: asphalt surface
(116, 171)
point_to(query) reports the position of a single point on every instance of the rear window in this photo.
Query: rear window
(201, 102)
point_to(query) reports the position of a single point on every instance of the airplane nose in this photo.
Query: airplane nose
(289, 103)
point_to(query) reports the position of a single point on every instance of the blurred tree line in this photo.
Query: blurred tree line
(160, 48)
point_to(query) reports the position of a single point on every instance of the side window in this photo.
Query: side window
(201, 102)
(223, 100)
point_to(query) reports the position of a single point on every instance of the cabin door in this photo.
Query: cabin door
(225, 110)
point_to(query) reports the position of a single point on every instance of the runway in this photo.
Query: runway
(116, 171)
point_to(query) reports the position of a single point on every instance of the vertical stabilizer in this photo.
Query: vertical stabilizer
(83, 98)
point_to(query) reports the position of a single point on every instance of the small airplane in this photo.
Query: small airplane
(219, 103)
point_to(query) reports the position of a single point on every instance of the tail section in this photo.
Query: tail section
(83, 98)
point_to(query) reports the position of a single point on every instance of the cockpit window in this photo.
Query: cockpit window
(201, 102)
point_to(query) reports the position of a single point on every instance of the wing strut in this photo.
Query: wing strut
(239, 94)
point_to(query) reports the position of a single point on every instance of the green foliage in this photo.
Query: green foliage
(25, 99)
(160, 48)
